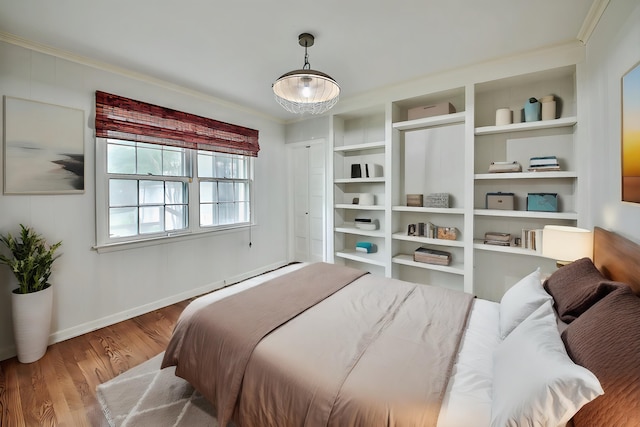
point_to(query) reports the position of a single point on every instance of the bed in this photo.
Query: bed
(330, 345)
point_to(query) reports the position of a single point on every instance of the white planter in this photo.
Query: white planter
(32, 323)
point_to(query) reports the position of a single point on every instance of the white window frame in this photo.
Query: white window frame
(103, 240)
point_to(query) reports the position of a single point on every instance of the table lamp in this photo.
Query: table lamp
(566, 244)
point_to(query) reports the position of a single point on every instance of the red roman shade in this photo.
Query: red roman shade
(123, 118)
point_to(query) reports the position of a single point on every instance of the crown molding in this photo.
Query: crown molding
(591, 20)
(104, 66)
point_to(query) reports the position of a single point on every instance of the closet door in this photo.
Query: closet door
(307, 182)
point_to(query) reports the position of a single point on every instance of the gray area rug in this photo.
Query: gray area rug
(148, 396)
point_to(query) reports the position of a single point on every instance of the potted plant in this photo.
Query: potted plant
(30, 261)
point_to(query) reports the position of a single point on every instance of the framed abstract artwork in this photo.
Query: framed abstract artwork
(631, 135)
(43, 148)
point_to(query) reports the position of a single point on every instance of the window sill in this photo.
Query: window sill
(181, 237)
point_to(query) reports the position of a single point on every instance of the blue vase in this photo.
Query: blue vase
(532, 110)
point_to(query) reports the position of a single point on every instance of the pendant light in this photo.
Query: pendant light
(306, 90)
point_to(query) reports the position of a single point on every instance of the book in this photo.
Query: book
(492, 235)
(497, 242)
(431, 256)
(532, 239)
(429, 230)
(433, 252)
(544, 168)
(543, 160)
(543, 163)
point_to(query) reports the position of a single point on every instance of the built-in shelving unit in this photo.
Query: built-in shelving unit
(359, 138)
(450, 153)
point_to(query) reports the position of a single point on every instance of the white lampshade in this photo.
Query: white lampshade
(566, 244)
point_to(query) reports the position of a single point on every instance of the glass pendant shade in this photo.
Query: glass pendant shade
(305, 90)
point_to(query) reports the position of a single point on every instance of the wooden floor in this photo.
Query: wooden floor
(60, 388)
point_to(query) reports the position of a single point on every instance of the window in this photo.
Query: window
(150, 189)
(225, 189)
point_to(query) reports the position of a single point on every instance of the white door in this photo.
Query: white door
(307, 178)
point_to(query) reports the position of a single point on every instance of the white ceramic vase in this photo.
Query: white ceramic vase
(32, 323)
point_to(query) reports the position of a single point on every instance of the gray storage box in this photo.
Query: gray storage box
(500, 201)
(437, 200)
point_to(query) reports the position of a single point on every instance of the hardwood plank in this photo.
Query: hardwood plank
(60, 388)
(72, 395)
(10, 401)
(59, 403)
(37, 406)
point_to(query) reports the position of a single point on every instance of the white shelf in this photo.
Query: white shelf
(357, 180)
(359, 232)
(418, 209)
(505, 249)
(405, 259)
(479, 101)
(359, 147)
(426, 240)
(526, 214)
(446, 119)
(520, 127)
(527, 175)
(373, 259)
(359, 207)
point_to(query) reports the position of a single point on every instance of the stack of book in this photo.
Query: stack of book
(498, 239)
(532, 239)
(544, 163)
(431, 256)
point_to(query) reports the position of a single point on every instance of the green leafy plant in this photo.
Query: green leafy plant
(31, 259)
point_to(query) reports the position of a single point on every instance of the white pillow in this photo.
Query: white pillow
(520, 301)
(535, 382)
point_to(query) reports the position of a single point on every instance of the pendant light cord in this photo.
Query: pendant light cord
(306, 65)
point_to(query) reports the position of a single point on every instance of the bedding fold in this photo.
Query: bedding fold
(211, 348)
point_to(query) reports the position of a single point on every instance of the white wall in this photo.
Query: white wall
(308, 129)
(91, 289)
(612, 50)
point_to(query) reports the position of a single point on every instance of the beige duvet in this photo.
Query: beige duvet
(377, 352)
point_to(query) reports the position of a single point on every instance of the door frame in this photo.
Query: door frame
(290, 193)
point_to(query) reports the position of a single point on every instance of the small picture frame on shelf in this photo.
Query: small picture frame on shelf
(412, 230)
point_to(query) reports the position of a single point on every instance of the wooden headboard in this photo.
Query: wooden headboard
(617, 258)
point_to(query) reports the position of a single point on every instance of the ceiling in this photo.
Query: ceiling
(234, 50)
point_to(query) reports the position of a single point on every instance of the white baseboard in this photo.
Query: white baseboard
(65, 334)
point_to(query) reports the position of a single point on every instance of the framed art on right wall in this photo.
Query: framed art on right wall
(631, 135)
